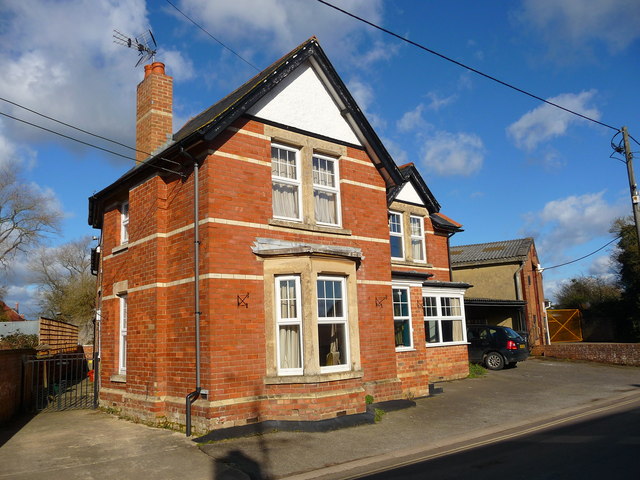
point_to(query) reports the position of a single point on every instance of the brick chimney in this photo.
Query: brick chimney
(154, 112)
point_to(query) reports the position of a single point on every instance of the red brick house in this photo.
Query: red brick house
(269, 261)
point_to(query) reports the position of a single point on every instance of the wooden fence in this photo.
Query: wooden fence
(60, 337)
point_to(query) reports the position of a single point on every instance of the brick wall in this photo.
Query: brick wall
(448, 363)
(614, 353)
(11, 382)
(235, 208)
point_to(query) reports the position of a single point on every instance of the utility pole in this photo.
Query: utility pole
(635, 199)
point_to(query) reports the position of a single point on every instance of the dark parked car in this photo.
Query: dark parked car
(495, 347)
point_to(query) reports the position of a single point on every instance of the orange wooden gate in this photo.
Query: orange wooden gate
(565, 325)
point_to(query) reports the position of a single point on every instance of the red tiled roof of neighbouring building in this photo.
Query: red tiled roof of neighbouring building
(8, 314)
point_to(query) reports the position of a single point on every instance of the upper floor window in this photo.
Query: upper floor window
(124, 222)
(396, 235)
(326, 193)
(417, 238)
(286, 184)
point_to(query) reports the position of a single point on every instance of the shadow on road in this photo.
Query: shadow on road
(604, 447)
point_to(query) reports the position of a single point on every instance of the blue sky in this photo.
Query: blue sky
(501, 163)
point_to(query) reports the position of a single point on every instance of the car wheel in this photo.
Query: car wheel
(494, 361)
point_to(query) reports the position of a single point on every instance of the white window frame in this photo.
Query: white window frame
(403, 318)
(328, 189)
(294, 182)
(440, 316)
(418, 238)
(122, 336)
(341, 320)
(289, 321)
(124, 222)
(399, 235)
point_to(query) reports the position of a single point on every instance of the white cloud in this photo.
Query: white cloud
(59, 58)
(448, 153)
(602, 266)
(571, 221)
(568, 26)
(279, 25)
(546, 122)
(412, 120)
(437, 102)
(364, 96)
(398, 154)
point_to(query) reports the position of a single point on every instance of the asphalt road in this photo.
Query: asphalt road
(466, 414)
(603, 443)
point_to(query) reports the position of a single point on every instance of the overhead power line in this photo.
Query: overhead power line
(72, 126)
(83, 142)
(460, 64)
(214, 38)
(588, 255)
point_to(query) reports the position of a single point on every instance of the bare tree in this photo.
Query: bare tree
(26, 215)
(67, 290)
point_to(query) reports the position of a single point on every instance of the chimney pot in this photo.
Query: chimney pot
(157, 68)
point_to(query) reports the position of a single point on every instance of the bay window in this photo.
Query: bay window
(333, 345)
(443, 318)
(289, 325)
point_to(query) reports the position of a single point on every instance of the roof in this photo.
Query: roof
(410, 174)
(8, 314)
(214, 120)
(506, 251)
(492, 302)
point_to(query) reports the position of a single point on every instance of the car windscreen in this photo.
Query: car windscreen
(512, 334)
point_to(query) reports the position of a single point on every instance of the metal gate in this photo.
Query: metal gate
(59, 382)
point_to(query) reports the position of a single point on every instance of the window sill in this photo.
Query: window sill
(412, 263)
(320, 378)
(308, 227)
(118, 378)
(120, 248)
(448, 344)
(405, 349)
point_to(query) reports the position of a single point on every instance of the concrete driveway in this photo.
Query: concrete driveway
(92, 444)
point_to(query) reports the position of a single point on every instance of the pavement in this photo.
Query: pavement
(538, 393)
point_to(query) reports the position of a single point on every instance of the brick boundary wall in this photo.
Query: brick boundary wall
(11, 382)
(614, 353)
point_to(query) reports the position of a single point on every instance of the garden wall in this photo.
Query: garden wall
(11, 382)
(614, 353)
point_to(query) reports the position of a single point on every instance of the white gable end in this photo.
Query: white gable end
(302, 101)
(409, 194)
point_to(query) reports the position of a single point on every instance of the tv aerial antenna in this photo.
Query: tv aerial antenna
(141, 43)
